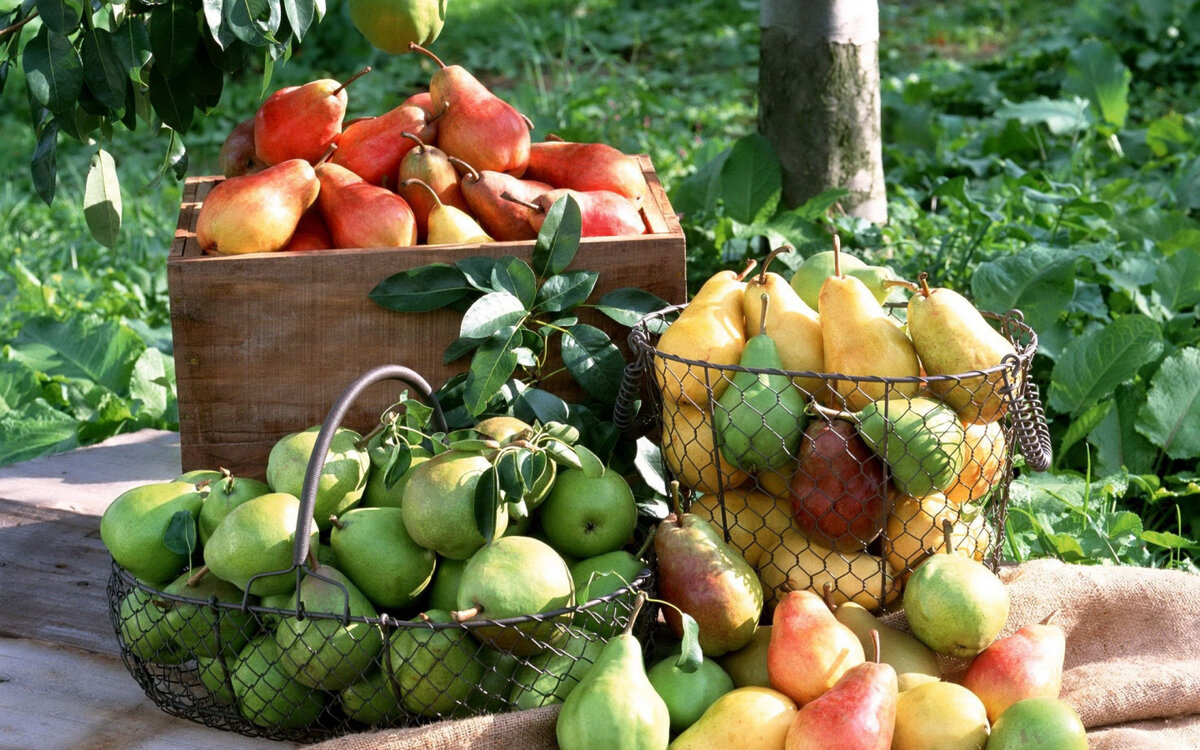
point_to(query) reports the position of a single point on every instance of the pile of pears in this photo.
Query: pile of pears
(394, 533)
(829, 436)
(451, 165)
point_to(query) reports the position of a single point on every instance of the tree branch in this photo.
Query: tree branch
(16, 26)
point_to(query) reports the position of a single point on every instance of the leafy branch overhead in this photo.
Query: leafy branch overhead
(513, 314)
(91, 69)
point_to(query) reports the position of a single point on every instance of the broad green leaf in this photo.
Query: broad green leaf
(1092, 366)
(1168, 133)
(131, 41)
(1095, 71)
(103, 353)
(421, 289)
(60, 16)
(102, 199)
(513, 275)
(175, 158)
(478, 271)
(1081, 425)
(1169, 540)
(565, 291)
(180, 536)
(698, 193)
(18, 386)
(1177, 280)
(1061, 117)
(751, 180)
(562, 454)
(817, 207)
(690, 655)
(399, 461)
(153, 385)
(558, 239)
(487, 503)
(591, 464)
(299, 16)
(35, 430)
(491, 313)
(214, 20)
(53, 70)
(173, 37)
(1038, 281)
(103, 70)
(44, 165)
(535, 404)
(1118, 443)
(1170, 418)
(509, 473)
(649, 465)
(629, 305)
(594, 361)
(460, 347)
(174, 105)
(492, 365)
(254, 22)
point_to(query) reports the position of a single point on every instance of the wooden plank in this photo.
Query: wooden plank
(54, 697)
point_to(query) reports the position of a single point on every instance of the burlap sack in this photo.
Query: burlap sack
(1132, 667)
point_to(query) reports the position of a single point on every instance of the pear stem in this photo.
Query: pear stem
(828, 413)
(762, 316)
(947, 527)
(313, 563)
(327, 155)
(875, 644)
(675, 500)
(646, 544)
(528, 122)
(827, 595)
(203, 483)
(531, 206)
(415, 137)
(923, 280)
(465, 614)
(837, 255)
(1046, 620)
(910, 286)
(200, 573)
(351, 80)
(555, 137)
(762, 273)
(633, 614)
(750, 264)
(436, 198)
(336, 523)
(471, 171)
(414, 47)
(423, 617)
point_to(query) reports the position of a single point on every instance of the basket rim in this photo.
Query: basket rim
(641, 582)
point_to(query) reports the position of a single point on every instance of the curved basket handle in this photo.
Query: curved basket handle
(626, 411)
(316, 464)
(1029, 416)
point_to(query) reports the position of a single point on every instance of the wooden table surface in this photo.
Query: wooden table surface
(62, 683)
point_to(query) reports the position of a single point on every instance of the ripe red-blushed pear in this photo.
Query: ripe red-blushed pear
(603, 213)
(504, 220)
(430, 165)
(300, 122)
(360, 214)
(838, 490)
(311, 233)
(809, 650)
(1026, 664)
(373, 148)
(585, 166)
(256, 213)
(237, 152)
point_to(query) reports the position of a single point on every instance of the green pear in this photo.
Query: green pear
(266, 695)
(955, 605)
(196, 476)
(256, 537)
(225, 494)
(435, 668)
(747, 666)
(391, 24)
(1038, 723)
(343, 479)
(325, 653)
(921, 440)
(142, 632)
(688, 694)
(133, 527)
(549, 677)
(748, 718)
(816, 268)
(443, 590)
(586, 515)
(905, 653)
(760, 417)
(513, 576)
(491, 695)
(215, 673)
(285, 601)
(374, 550)
(207, 630)
(378, 494)
(614, 705)
(439, 504)
(599, 576)
(370, 701)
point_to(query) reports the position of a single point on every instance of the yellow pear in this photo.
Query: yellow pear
(914, 531)
(861, 338)
(710, 329)
(800, 564)
(952, 337)
(910, 680)
(940, 716)
(755, 521)
(748, 718)
(776, 482)
(747, 666)
(446, 224)
(795, 327)
(691, 455)
(905, 653)
(986, 449)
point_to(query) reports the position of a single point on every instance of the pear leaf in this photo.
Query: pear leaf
(649, 465)
(629, 305)
(589, 462)
(561, 453)
(558, 239)
(491, 313)
(512, 482)
(53, 70)
(690, 655)
(490, 368)
(594, 361)
(565, 291)
(44, 165)
(102, 199)
(487, 502)
(399, 461)
(562, 431)
(421, 289)
(180, 536)
(513, 275)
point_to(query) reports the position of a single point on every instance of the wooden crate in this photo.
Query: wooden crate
(265, 343)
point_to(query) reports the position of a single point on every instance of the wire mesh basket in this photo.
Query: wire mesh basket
(837, 481)
(270, 668)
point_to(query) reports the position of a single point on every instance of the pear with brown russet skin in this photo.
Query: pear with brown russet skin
(237, 152)
(256, 213)
(478, 126)
(505, 220)
(1026, 664)
(603, 213)
(430, 165)
(311, 233)
(585, 166)
(360, 214)
(373, 148)
(300, 122)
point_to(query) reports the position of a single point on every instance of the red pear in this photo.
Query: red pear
(423, 100)
(838, 489)
(858, 712)
(1026, 664)
(360, 214)
(237, 152)
(585, 166)
(505, 220)
(809, 650)
(256, 213)
(300, 122)
(311, 233)
(430, 165)
(477, 126)
(603, 212)
(373, 148)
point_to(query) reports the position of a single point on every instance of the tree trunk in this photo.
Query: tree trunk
(818, 100)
